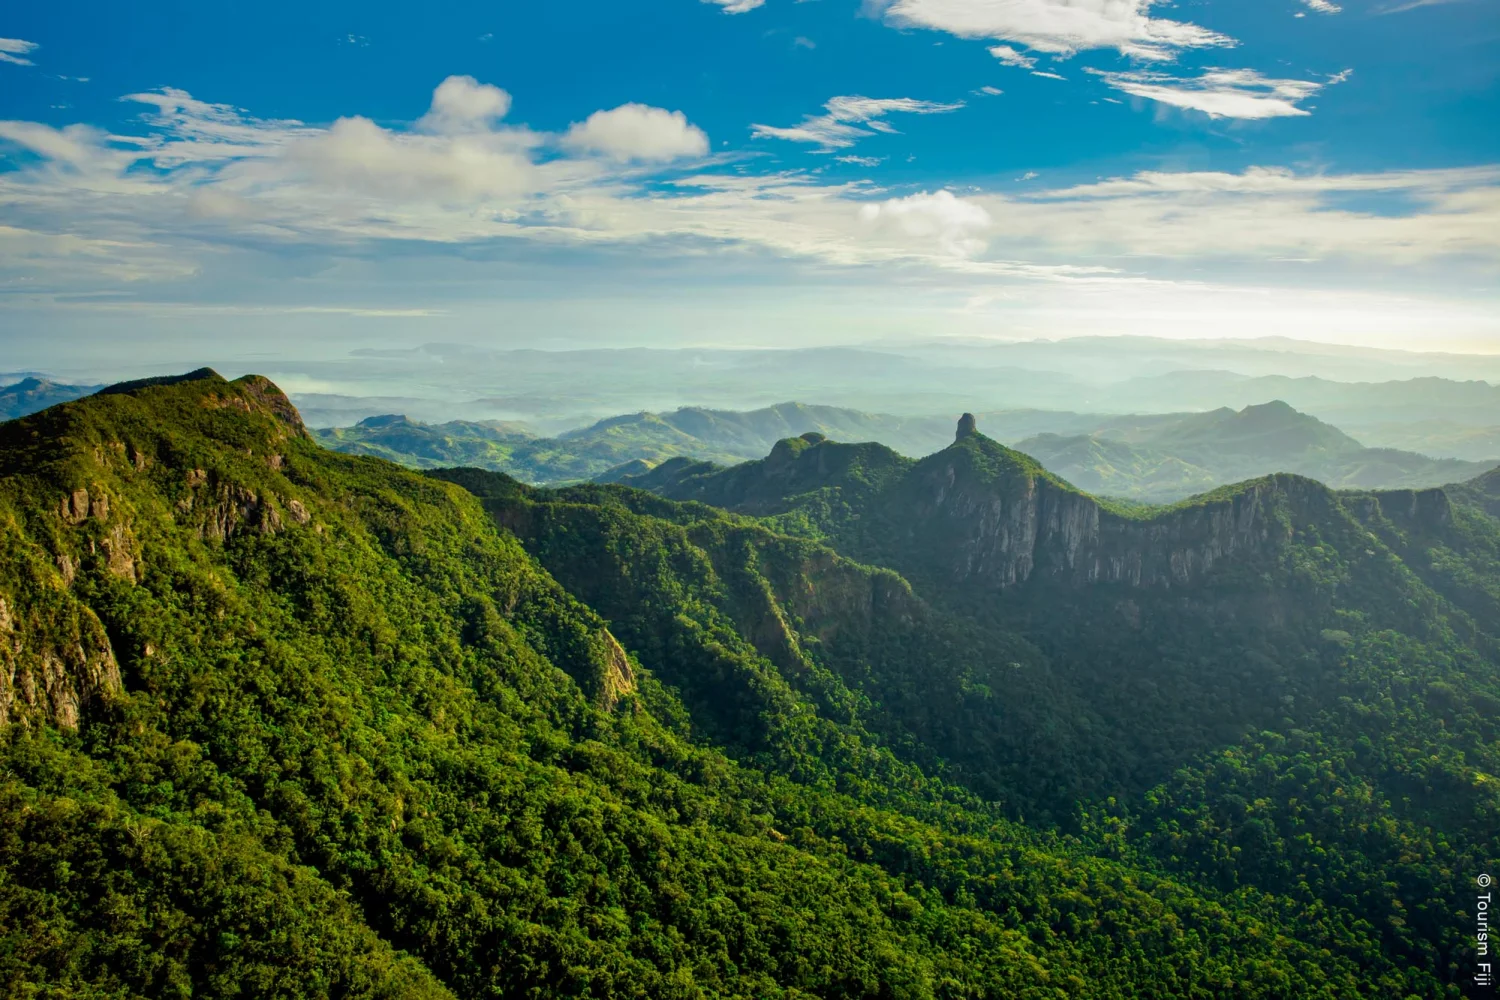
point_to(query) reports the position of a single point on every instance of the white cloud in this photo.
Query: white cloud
(850, 119)
(15, 50)
(1010, 57)
(72, 146)
(1323, 6)
(637, 132)
(1060, 27)
(990, 91)
(1220, 93)
(861, 161)
(737, 6)
(198, 183)
(1047, 76)
(1267, 213)
(357, 155)
(463, 104)
(955, 223)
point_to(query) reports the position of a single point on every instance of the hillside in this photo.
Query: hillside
(1245, 687)
(284, 722)
(1168, 458)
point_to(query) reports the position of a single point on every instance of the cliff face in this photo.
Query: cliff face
(1024, 526)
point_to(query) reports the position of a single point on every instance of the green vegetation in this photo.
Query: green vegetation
(284, 722)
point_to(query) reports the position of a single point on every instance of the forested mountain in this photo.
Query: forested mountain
(1170, 457)
(285, 722)
(32, 394)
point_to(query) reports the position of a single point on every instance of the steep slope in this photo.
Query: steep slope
(338, 734)
(32, 394)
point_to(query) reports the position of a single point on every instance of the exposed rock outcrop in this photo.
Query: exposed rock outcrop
(48, 680)
(1025, 526)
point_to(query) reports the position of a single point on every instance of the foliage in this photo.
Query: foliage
(344, 730)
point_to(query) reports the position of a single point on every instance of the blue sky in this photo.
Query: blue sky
(209, 179)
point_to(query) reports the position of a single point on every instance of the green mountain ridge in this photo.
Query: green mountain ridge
(288, 722)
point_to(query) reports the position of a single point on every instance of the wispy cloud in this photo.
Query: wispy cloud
(737, 6)
(1046, 75)
(1323, 6)
(850, 119)
(861, 161)
(1221, 93)
(1399, 8)
(15, 50)
(1010, 57)
(1059, 27)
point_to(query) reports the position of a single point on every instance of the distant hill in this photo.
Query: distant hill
(1346, 404)
(1165, 459)
(635, 439)
(32, 394)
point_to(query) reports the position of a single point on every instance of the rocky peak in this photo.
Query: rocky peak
(967, 427)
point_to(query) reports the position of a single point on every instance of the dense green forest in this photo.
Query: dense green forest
(279, 721)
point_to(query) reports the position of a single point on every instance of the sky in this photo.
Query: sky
(277, 180)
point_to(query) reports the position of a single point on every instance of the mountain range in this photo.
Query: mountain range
(281, 721)
(1151, 458)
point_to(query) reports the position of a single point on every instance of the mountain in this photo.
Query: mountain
(1225, 672)
(1169, 458)
(596, 450)
(32, 394)
(281, 721)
